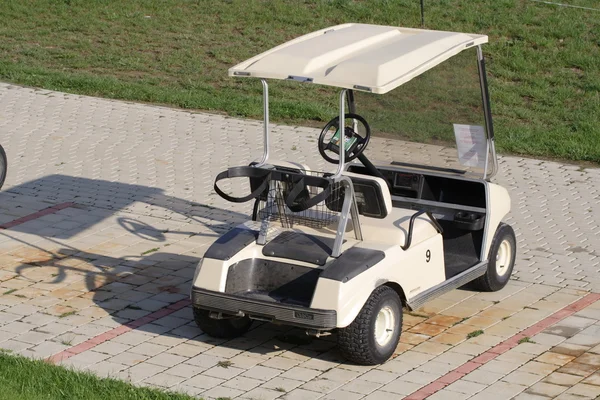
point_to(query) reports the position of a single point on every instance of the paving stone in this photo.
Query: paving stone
(157, 195)
(593, 379)
(166, 360)
(580, 369)
(204, 382)
(465, 386)
(265, 373)
(320, 385)
(522, 378)
(128, 358)
(105, 369)
(148, 349)
(223, 373)
(185, 370)
(500, 390)
(362, 386)
(446, 394)
(483, 376)
(402, 387)
(221, 392)
(546, 389)
(342, 395)
(112, 348)
(380, 395)
(377, 376)
(302, 394)
(243, 383)
(585, 390)
(559, 378)
(164, 380)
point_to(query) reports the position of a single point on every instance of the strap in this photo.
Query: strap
(244, 172)
(296, 203)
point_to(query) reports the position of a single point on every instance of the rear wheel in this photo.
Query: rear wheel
(374, 334)
(501, 260)
(221, 328)
(3, 166)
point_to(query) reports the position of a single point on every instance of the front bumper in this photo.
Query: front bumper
(286, 314)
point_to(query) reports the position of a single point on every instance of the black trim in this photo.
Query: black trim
(300, 247)
(352, 263)
(412, 223)
(244, 172)
(303, 317)
(230, 244)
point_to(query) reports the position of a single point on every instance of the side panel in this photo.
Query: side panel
(498, 205)
(415, 270)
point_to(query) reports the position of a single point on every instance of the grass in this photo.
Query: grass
(224, 364)
(9, 291)
(67, 314)
(25, 379)
(543, 62)
(526, 340)
(474, 334)
(150, 251)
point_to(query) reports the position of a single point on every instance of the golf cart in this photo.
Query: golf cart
(347, 250)
(3, 166)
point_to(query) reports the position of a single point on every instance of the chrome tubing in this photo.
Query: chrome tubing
(342, 128)
(266, 123)
(487, 113)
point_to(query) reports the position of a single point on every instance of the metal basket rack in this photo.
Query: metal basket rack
(272, 206)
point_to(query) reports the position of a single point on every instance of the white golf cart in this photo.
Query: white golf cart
(348, 250)
(3, 166)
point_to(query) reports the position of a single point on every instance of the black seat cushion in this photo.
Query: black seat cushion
(300, 247)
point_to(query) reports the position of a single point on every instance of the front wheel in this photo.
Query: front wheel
(221, 328)
(374, 334)
(3, 166)
(501, 260)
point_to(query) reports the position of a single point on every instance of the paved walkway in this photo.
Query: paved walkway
(108, 207)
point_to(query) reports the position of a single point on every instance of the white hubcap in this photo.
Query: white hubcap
(503, 257)
(384, 326)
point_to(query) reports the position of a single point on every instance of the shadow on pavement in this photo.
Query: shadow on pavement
(130, 285)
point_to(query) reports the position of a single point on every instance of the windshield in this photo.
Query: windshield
(442, 108)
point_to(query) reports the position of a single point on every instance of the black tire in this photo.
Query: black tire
(357, 342)
(497, 276)
(221, 328)
(3, 166)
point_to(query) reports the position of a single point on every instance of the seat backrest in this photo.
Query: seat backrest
(372, 195)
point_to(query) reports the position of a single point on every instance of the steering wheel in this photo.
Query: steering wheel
(355, 144)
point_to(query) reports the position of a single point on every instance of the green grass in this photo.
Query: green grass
(150, 251)
(526, 339)
(543, 62)
(67, 314)
(25, 379)
(474, 334)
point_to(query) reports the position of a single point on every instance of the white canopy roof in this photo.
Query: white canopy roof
(364, 57)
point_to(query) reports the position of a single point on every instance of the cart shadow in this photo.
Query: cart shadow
(129, 286)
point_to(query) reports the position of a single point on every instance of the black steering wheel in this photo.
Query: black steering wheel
(355, 144)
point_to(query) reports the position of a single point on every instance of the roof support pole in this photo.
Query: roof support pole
(342, 131)
(487, 112)
(266, 122)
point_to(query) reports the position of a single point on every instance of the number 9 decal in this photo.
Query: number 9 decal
(428, 255)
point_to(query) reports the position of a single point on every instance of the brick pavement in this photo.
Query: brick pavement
(123, 209)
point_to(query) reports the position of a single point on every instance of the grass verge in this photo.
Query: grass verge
(25, 379)
(543, 61)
